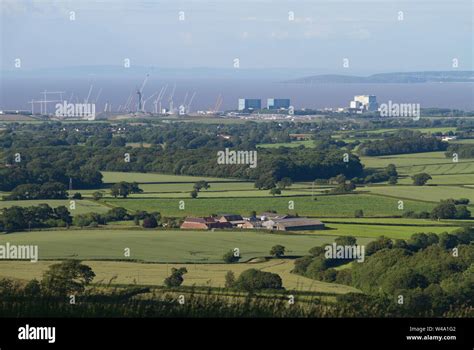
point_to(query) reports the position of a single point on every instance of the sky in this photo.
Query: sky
(317, 34)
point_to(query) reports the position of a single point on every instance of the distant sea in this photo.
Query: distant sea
(14, 94)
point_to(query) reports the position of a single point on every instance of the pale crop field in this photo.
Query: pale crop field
(203, 275)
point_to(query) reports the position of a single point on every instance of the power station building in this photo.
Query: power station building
(278, 103)
(249, 103)
(364, 103)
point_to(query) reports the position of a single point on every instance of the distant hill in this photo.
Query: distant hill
(394, 78)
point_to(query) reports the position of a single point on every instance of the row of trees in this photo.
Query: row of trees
(17, 218)
(446, 209)
(48, 190)
(462, 150)
(409, 142)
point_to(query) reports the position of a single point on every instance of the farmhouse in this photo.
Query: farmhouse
(293, 224)
(205, 223)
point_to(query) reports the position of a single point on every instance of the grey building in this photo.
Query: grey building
(278, 103)
(249, 103)
(293, 224)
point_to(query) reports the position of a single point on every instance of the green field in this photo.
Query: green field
(306, 143)
(390, 231)
(209, 275)
(115, 176)
(162, 246)
(324, 206)
(424, 193)
(407, 160)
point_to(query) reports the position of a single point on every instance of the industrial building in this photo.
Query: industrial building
(249, 104)
(293, 224)
(278, 103)
(364, 103)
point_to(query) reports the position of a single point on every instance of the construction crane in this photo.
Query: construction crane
(147, 99)
(89, 94)
(159, 98)
(218, 103)
(188, 108)
(140, 93)
(98, 95)
(126, 106)
(185, 99)
(171, 99)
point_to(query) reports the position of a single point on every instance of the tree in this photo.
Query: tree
(447, 241)
(116, 214)
(231, 257)
(114, 191)
(198, 186)
(124, 189)
(32, 288)
(392, 180)
(359, 213)
(462, 212)
(275, 191)
(265, 182)
(277, 251)
(176, 277)
(444, 210)
(150, 222)
(391, 171)
(253, 280)
(379, 244)
(346, 240)
(77, 195)
(67, 277)
(13, 219)
(284, 183)
(229, 279)
(97, 195)
(344, 187)
(62, 213)
(194, 194)
(420, 179)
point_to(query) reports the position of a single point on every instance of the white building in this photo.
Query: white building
(364, 103)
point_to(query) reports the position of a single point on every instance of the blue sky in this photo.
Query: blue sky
(258, 33)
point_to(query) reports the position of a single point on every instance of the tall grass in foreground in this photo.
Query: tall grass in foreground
(122, 303)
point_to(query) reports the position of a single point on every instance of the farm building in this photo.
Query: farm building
(205, 223)
(273, 216)
(293, 224)
(229, 218)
